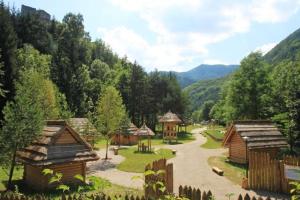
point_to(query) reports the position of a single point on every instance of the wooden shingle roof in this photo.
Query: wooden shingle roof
(260, 134)
(58, 143)
(82, 125)
(169, 117)
(144, 131)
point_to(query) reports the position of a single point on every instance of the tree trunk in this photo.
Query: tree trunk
(106, 149)
(11, 172)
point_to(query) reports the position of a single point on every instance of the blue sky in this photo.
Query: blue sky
(181, 34)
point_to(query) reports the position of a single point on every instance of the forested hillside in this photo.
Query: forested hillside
(286, 49)
(60, 61)
(204, 94)
(203, 72)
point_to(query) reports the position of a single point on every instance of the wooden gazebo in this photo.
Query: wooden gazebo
(144, 132)
(126, 136)
(59, 148)
(169, 122)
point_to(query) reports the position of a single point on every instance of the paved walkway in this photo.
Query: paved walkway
(190, 168)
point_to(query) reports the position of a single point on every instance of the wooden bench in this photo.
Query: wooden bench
(218, 171)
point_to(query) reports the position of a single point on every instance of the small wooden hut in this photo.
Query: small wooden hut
(126, 136)
(244, 136)
(59, 148)
(169, 122)
(85, 128)
(142, 133)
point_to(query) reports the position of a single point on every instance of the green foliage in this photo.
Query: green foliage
(295, 191)
(287, 49)
(204, 91)
(110, 113)
(29, 58)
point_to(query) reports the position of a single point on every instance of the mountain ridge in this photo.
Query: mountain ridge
(203, 72)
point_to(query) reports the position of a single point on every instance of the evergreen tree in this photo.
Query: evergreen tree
(23, 120)
(8, 45)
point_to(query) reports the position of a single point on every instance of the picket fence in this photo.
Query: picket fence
(166, 178)
(267, 173)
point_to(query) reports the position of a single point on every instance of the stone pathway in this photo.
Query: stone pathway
(190, 168)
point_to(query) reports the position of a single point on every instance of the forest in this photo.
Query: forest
(59, 62)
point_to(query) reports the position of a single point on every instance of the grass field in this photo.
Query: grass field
(136, 162)
(18, 175)
(182, 138)
(216, 131)
(232, 171)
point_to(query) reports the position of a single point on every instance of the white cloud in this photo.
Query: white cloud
(266, 47)
(176, 49)
(214, 62)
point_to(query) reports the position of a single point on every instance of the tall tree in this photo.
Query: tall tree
(246, 93)
(23, 120)
(8, 46)
(110, 114)
(286, 98)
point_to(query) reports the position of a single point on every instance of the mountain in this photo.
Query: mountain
(204, 72)
(286, 49)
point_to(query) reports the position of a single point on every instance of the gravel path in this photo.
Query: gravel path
(107, 169)
(190, 168)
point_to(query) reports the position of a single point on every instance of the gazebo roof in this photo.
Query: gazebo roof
(58, 143)
(132, 129)
(170, 117)
(144, 131)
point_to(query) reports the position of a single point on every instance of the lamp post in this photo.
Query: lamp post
(247, 162)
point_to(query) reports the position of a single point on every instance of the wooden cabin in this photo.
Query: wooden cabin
(169, 125)
(244, 136)
(59, 148)
(85, 128)
(126, 136)
(144, 133)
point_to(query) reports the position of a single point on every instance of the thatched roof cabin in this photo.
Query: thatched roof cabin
(59, 148)
(256, 135)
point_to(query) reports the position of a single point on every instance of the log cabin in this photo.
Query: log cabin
(59, 148)
(169, 125)
(255, 135)
(126, 136)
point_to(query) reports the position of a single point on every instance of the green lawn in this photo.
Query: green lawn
(216, 132)
(232, 171)
(155, 141)
(136, 161)
(18, 175)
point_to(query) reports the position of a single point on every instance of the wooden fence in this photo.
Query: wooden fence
(266, 173)
(166, 177)
(184, 191)
(196, 194)
(74, 197)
